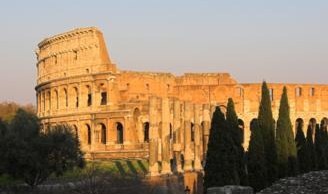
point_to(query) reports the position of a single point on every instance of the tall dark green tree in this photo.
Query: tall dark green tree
(266, 124)
(220, 162)
(286, 148)
(320, 145)
(256, 163)
(237, 136)
(303, 156)
(311, 148)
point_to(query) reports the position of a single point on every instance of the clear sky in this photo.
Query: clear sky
(277, 40)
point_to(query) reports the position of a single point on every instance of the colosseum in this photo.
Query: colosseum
(159, 117)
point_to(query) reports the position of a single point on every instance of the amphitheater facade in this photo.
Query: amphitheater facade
(155, 116)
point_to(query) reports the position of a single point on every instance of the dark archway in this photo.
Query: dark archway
(88, 134)
(192, 132)
(103, 133)
(146, 131)
(120, 133)
(313, 123)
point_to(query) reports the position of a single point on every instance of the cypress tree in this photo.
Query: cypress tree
(236, 134)
(256, 163)
(310, 147)
(220, 164)
(303, 156)
(286, 148)
(320, 147)
(266, 125)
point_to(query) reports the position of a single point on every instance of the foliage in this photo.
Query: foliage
(221, 167)
(32, 156)
(9, 109)
(286, 148)
(311, 149)
(302, 150)
(236, 134)
(256, 159)
(320, 145)
(266, 125)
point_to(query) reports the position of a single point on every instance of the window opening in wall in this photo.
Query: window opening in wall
(146, 132)
(119, 129)
(77, 102)
(312, 91)
(89, 134)
(87, 70)
(192, 132)
(298, 91)
(89, 100)
(147, 86)
(103, 134)
(55, 59)
(103, 98)
(75, 55)
(66, 98)
(127, 86)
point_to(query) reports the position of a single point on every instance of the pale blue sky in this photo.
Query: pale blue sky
(277, 40)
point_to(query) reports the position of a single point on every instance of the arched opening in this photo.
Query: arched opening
(192, 132)
(324, 123)
(88, 134)
(56, 100)
(76, 97)
(146, 131)
(66, 97)
(49, 100)
(312, 123)
(119, 129)
(299, 124)
(89, 97)
(241, 126)
(312, 91)
(298, 91)
(103, 133)
(254, 123)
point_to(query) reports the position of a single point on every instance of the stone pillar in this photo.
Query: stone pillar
(206, 126)
(187, 137)
(153, 137)
(176, 132)
(166, 165)
(197, 154)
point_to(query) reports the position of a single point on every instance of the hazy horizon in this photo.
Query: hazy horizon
(277, 41)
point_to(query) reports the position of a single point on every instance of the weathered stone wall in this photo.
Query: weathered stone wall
(158, 116)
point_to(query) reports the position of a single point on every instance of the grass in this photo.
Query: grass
(117, 167)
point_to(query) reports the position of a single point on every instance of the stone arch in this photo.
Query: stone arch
(48, 100)
(241, 126)
(120, 133)
(299, 123)
(75, 131)
(298, 91)
(146, 131)
(89, 95)
(76, 97)
(324, 123)
(65, 97)
(192, 132)
(103, 133)
(312, 123)
(56, 99)
(88, 135)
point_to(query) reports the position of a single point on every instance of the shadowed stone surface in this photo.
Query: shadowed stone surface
(230, 189)
(313, 182)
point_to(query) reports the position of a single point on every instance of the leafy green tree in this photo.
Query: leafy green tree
(256, 164)
(236, 134)
(32, 156)
(286, 148)
(303, 156)
(311, 148)
(220, 168)
(266, 125)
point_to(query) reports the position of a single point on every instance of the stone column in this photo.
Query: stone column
(176, 132)
(187, 137)
(166, 165)
(197, 154)
(153, 137)
(206, 126)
